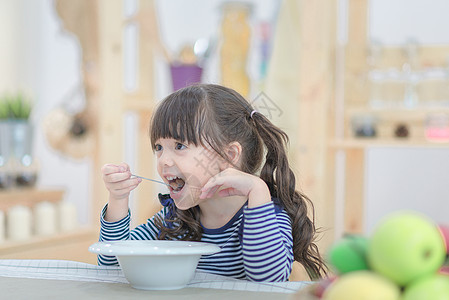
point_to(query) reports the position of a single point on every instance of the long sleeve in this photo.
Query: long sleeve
(120, 230)
(267, 244)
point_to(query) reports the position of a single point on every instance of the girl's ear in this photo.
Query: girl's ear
(234, 153)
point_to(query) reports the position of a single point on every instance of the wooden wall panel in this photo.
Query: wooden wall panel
(109, 134)
(301, 82)
(317, 83)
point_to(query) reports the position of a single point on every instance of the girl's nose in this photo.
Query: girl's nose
(165, 159)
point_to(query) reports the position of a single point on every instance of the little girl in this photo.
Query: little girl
(230, 184)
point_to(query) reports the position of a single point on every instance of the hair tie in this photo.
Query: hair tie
(252, 113)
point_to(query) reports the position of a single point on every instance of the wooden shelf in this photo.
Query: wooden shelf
(66, 246)
(39, 241)
(363, 143)
(71, 245)
(28, 197)
(397, 112)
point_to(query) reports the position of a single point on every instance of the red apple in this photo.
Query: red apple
(406, 246)
(444, 270)
(444, 230)
(322, 286)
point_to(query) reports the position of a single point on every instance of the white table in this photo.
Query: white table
(55, 279)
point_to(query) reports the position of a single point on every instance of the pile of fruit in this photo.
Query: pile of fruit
(406, 258)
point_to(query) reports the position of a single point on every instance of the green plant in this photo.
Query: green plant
(4, 109)
(15, 107)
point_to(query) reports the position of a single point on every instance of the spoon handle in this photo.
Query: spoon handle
(161, 182)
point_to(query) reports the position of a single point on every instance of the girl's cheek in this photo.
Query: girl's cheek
(158, 167)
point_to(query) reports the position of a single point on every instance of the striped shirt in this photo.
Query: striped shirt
(259, 251)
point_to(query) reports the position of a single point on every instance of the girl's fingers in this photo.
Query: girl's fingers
(115, 173)
(210, 187)
(116, 177)
(111, 168)
(124, 166)
(124, 191)
(209, 192)
(118, 181)
(117, 187)
(218, 179)
(227, 192)
(229, 182)
(114, 186)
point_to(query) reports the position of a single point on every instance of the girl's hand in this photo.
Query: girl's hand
(232, 182)
(118, 181)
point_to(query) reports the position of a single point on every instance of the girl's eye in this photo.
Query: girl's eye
(157, 147)
(180, 146)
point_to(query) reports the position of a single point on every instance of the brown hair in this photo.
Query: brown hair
(214, 115)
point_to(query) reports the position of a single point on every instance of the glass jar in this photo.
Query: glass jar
(6, 177)
(236, 33)
(437, 127)
(24, 165)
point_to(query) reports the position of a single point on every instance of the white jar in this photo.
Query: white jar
(68, 216)
(45, 218)
(18, 225)
(2, 226)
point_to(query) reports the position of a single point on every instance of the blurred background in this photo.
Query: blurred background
(360, 86)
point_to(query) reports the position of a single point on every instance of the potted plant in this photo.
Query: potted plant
(17, 110)
(5, 145)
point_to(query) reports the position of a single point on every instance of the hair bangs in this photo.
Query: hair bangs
(180, 116)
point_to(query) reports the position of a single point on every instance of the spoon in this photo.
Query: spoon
(157, 181)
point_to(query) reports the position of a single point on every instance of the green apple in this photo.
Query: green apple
(362, 285)
(349, 254)
(406, 246)
(434, 287)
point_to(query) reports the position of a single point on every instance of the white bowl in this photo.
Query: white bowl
(156, 265)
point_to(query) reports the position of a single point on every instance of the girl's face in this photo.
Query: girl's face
(186, 168)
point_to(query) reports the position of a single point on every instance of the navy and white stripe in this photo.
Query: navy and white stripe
(267, 240)
(263, 253)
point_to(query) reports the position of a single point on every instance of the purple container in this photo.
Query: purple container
(185, 75)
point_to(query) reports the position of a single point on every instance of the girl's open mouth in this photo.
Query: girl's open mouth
(176, 184)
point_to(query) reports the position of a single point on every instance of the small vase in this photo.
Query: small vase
(6, 177)
(22, 142)
(184, 75)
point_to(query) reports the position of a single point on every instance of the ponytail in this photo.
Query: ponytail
(281, 182)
